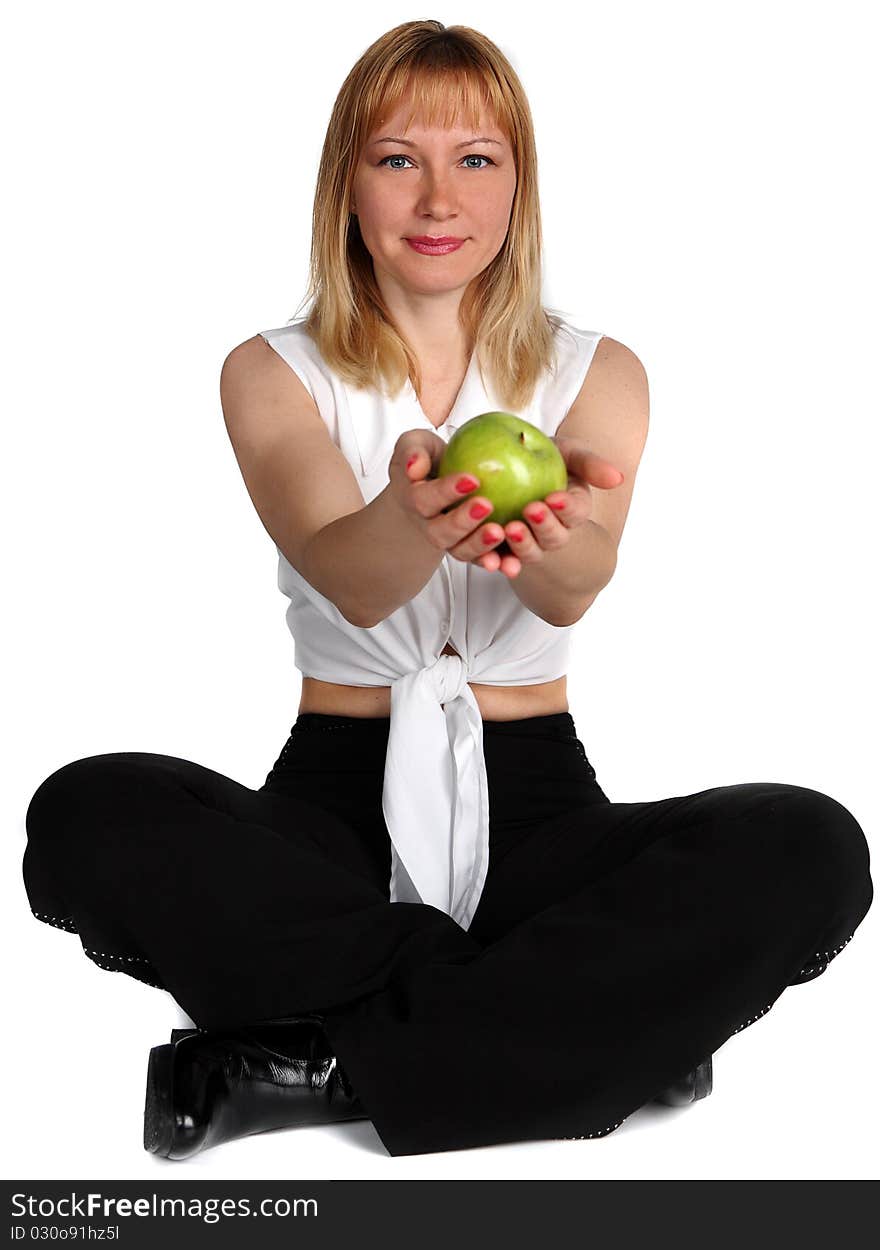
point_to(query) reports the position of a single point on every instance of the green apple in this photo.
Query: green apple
(516, 463)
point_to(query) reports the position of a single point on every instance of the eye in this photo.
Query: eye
(471, 156)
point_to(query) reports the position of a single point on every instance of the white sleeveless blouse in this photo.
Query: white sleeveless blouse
(435, 796)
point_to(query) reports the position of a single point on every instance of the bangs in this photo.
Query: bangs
(439, 95)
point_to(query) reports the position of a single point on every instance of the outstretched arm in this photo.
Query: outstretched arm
(570, 554)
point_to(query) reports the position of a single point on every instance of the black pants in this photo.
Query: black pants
(616, 945)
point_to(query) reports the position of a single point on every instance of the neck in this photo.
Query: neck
(431, 327)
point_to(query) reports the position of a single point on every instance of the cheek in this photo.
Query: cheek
(386, 206)
(496, 204)
(495, 216)
(372, 193)
(376, 217)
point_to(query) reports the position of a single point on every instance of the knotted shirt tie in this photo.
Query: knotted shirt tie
(435, 795)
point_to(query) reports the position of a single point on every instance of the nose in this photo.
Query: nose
(437, 198)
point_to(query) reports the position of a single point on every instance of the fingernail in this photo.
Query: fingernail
(465, 484)
(537, 515)
(490, 539)
(480, 510)
(516, 535)
(413, 458)
(558, 504)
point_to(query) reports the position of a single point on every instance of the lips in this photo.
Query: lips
(434, 241)
(434, 247)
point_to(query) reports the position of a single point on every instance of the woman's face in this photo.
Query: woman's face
(458, 182)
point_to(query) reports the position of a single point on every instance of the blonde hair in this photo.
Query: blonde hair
(445, 73)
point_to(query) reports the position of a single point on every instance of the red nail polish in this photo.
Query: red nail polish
(465, 484)
(537, 516)
(479, 510)
(558, 504)
(413, 458)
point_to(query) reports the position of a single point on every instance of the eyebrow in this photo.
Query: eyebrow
(409, 144)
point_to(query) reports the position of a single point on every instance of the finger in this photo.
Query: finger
(570, 507)
(549, 532)
(511, 566)
(427, 448)
(585, 464)
(417, 465)
(443, 495)
(421, 462)
(522, 541)
(508, 562)
(489, 562)
(598, 472)
(477, 541)
(460, 529)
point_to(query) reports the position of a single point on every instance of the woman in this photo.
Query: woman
(431, 907)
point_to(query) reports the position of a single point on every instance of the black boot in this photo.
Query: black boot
(207, 1087)
(693, 1085)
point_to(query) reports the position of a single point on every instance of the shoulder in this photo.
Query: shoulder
(610, 361)
(614, 391)
(610, 349)
(247, 356)
(615, 388)
(283, 340)
(263, 385)
(614, 364)
(275, 358)
(617, 384)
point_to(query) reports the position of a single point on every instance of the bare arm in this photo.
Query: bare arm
(568, 558)
(371, 558)
(368, 559)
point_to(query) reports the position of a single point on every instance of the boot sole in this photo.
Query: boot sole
(159, 1106)
(704, 1080)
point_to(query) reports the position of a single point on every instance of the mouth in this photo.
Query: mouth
(436, 240)
(438, 246)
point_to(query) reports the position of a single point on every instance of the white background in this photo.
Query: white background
(707, 198)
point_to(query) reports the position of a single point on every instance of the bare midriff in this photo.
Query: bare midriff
(494, 702)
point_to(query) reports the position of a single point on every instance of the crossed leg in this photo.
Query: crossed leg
(613, 949)
(621, 948)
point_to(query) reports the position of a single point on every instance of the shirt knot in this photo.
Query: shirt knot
(448, 677)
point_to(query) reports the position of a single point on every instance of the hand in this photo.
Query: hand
(434, 505)
(550, 520)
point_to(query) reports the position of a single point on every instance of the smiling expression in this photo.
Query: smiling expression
(435, 182)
